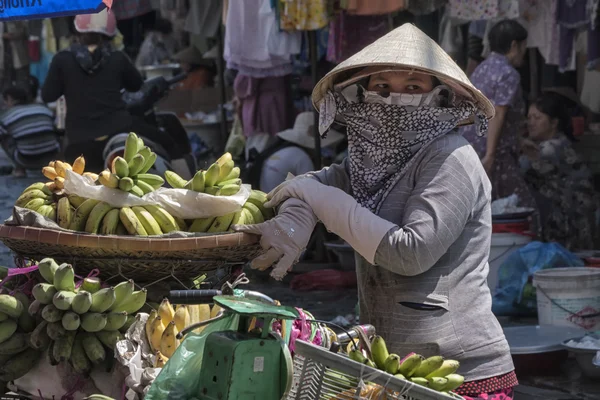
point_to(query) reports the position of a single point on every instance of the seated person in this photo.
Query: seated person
(158, 46)
(201, 71)
(560, 181)
(27, 130)
(293, 152)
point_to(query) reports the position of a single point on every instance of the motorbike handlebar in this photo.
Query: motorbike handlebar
(198, 296)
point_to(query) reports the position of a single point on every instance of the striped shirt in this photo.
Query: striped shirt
(32, 128)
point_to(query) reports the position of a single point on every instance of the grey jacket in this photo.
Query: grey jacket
(438, 256)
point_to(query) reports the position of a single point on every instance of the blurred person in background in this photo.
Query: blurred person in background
(158, 46)
(15, 52)
(27, 129)
(200, 71)
(560, 181)
(498, 79)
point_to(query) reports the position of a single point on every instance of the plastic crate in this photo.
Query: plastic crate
(320, 374)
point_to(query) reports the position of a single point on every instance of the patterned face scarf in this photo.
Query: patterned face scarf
(384, 134)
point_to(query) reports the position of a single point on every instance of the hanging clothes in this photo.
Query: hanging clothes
(303, 15)
(472, 10)
(48, 48)
(254, 45)
(348, 34)
(543, 31)
(374, 7)
(203, 18)
(571, 15)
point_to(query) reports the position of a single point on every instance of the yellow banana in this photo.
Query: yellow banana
(224, 159)
(247, 215)
(64, 213)
(39, 186)
(180, 223)
(91, 175)
(26, 197)
(96, 215)
(59, 182)
(239, 218)
(110, 222)
(215, 311)
(221, 223)
(131, 222)
(202, 224)
(147, 220)
(175, 180)
(35, 204)
(448, 367)
(157, 329)
(410, 364)
(108, 179)
(428, 366)
(234, 174)
(212, 175)
(51, 163)
(79, 165)
(166, 311)
(47, 211)
(225, 169)
(61, 168)
(169, 342)
(82, 213)
(148, 325)
(165, 220)
(51, 186)
(181, 318)
(49, 172)
(75, 200)
(161, 360)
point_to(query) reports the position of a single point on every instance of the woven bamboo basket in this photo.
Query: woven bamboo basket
(143, 259)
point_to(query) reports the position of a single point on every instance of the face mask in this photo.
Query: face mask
(441, 96)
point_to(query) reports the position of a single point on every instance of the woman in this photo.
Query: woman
(498, 79)
(91, 75)
(412, 199)
(561, 182)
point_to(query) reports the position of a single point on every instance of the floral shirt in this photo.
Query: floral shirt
(562, 185)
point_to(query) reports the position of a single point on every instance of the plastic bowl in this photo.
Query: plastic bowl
(585, 358)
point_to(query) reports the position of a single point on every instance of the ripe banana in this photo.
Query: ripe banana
(63, 299)
(43, 292)
(126, 184)
(225, 170)
(136, 165)
(108, 179)
(153, 180)
(169, 342)
(131, 222)
(225, 158)
(202, 224)
(64, 278)
(144, 187)
(212, 175)
(221, 223)
(26, 197)
(110, 222)
(91, 285)
(64, 213)
(234, 174)
(93, 322)
(428, 366)
(166, 311)
(122, 291)
(147, 220)
(259, 199)
(392, 364)
(181, 318)
(161, 360)
(176, 181)
(180, 223)
(75, 200)
(52, 314)
(255, 211)
(7, 329)
(50, 173)
(82, 213)
(59, 183)
(94, 220)
(148, 326)
(133, 303)
(93, 177)
(71, 321)
(448, 367)
(198, 182)
(410, 364)
(61, 168)
(379, 352)
(102, 300)
(63, 346)
(131, 147)
(93, 348)
(47, 268)
(115, 321)
(454, 381)
(79, 360)
(109, 338)
(229, 190)
(157, 329)
(247, 215)
(46, 211)
(215, 310)
(238, 219)
(165, 220)
(51, 186)
(82, 302)
(35, 204)
(79, 165)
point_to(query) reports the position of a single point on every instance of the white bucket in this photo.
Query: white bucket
(566, 294)
(503, 245)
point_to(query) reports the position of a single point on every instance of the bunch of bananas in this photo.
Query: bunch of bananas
(78, 323)
(17, 357)
(164, 325)
(433, 372)
(130, 172)
(56, 172)
(253, 212)
(40, 198)
(222, 178)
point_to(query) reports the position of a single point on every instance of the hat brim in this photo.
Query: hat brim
(304, 140)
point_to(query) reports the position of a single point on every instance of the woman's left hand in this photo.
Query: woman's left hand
(297, 188)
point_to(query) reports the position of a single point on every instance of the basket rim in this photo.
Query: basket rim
(125, 243)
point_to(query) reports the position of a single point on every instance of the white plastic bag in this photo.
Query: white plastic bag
(181, 203)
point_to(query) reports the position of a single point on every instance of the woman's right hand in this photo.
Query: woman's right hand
(283, 237)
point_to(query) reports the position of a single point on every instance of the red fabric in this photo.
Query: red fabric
(490, 385)
(324, 279)
(504, 394)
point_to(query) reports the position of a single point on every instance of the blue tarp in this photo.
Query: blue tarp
(32, 9)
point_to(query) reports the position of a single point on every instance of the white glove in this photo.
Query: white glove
(284, 237)
(339, 212)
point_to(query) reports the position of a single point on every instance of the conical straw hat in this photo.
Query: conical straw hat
(406, 47)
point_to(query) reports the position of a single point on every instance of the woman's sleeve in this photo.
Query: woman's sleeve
(335, 175)
(53, 84)
(507, 89)
(435, 214)
(132, 80)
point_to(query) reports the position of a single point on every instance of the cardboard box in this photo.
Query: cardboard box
(181, 101)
